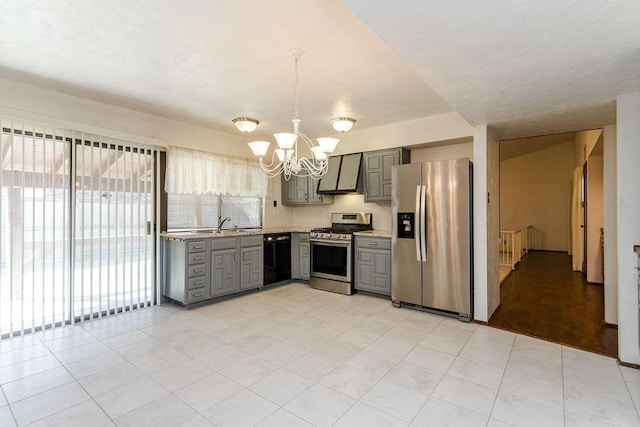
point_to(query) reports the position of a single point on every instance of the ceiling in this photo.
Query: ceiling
(513, 148)
(526, 68)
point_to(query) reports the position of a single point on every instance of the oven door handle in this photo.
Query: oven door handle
(340, 243)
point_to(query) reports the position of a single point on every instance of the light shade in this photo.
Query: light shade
(342, 124)
(319, 153)
(328, 144)
(259, 148)
(245, 124)
(285, 140)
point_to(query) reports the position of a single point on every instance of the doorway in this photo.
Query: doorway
(545, 294)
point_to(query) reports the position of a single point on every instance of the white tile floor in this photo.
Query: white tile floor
(293, 356)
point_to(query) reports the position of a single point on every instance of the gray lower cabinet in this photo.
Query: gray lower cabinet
(302, 190)
(377, 172)
(300, 256)
(195, 271)
(186, 270)
(373, 264)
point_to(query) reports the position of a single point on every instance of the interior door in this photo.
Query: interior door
(584, 219)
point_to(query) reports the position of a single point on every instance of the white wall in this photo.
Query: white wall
(610, 227)
(628, 206)
(444, 127)
(31, 103)
(486, 214)
(535, 189)
(595, 218)
(443, 152)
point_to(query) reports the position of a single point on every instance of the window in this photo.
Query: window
(203, 187)
(188, 211)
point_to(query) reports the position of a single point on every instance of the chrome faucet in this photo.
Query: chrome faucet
(222, 221)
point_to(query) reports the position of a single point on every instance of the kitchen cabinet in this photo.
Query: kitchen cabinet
(373, 264)
(251, 270)
(300, 256)
(186, 268)
(197, 270)
(377, 172)
(302, 190)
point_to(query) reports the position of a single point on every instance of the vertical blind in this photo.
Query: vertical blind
(77, 215)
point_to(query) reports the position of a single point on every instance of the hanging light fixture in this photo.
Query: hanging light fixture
(342, 124)
(286, 159)
(245, 124)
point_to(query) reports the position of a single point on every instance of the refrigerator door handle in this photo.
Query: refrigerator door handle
(423, 225)
(417, 225)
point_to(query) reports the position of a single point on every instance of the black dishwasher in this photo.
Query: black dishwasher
(277, 258)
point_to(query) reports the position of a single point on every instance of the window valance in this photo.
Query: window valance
(200, 172)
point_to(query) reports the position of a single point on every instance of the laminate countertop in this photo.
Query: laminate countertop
(190, 235)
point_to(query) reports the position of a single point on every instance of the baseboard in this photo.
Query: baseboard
(628, 365)
(610, 325)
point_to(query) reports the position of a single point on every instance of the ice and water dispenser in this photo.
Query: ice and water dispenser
(406, 225)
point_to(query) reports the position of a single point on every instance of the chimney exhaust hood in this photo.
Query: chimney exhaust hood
(344, 175)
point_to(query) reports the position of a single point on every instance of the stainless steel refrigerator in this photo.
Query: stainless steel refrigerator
(432, 236)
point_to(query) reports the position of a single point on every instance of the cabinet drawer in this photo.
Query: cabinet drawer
(249, 241)
(224, 243)
(197, 246)
(195, 282)
(373, 242)
(304, 237)
(195, 295)
(196, 270)
(197, 258)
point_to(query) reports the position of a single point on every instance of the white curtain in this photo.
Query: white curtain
(577, 217)
(199, 172)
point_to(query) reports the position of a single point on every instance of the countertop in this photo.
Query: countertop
(374, 233)
(190, 235)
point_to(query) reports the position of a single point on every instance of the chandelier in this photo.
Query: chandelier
(286, 159)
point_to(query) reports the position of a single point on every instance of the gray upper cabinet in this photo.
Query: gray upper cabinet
(377, 172)
(302, 190)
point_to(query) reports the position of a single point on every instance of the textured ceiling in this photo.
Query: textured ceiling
(524, 67)
(208, 61)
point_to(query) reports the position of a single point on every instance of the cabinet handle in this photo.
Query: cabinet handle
(198, 258)
(199, 270)
(198, 247)
(372, 244)
(198, 295)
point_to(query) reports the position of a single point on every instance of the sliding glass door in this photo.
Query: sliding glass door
(76, 227)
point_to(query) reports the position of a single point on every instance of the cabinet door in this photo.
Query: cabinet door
(377, 166)
(312, 189)
(373, 271)
(251, 268)
(364, 270)
(223, 272)
(295, 191)
(305, 260)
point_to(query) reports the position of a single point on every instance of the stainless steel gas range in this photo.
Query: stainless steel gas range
(332, 252)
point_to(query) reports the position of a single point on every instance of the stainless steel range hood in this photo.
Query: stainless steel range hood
(345, 175)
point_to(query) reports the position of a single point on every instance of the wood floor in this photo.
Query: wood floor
(544, 298)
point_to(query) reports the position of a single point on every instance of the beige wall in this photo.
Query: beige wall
(595, 218)
(585, 142)
(535, 189)
(444, 152)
